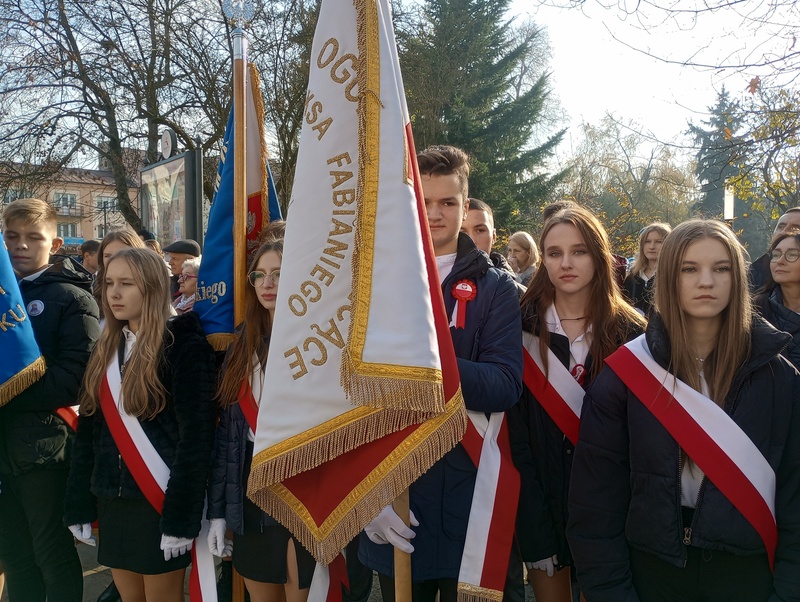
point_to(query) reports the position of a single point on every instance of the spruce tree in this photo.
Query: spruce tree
(458, 61)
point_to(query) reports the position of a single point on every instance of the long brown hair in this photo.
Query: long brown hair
(733, 345)
(640, 262)
(249, 341)
(143, 394)
(609, 314)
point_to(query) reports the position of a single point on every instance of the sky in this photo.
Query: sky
(594, 73)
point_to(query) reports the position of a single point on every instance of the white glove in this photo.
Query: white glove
(548, 565)
(83, 533)
(217, 542)
(175, 546)
(387, 527)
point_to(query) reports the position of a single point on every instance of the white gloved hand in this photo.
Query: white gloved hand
(387, 527)
(547, 565)
(175, 546)
(217, 542)
(83, 533)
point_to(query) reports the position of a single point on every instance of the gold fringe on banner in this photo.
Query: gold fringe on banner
(379, 385)
(220, 341)
(474, 593)
(404, 465)
(22, 380)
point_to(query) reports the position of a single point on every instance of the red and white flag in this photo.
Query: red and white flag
(361, 391)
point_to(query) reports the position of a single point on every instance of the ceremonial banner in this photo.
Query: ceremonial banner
(361, 391)
(214, 300)
(22, 363)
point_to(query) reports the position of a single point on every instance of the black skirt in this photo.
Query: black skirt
(130, 538)
(260, 553)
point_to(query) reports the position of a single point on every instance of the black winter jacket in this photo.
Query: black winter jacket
(625, 488)
(543, 456)
(773, 310)
(639, 292)
(66, 325)
(182, 433)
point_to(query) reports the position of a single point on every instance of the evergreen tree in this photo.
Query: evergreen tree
(717, 155)
(458, 60)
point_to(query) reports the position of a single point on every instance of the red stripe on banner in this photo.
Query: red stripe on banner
(447, 354)
(504, 517)
(549, 399)
(70, 416)
(698, 445)
(130, 454)
(337, 578)
(248, 405)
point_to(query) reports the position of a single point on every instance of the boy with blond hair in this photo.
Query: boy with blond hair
(37, 550)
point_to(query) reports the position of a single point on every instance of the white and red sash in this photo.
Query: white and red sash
(152, 476)
(327, 582)
(493, 514)
(557, 391)
(249, 393)
(708, 435)
(69, 414)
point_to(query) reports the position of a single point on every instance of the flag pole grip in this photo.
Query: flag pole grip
(402, 561)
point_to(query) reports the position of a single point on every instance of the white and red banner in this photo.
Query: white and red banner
(362, 391)
(152, 476)
(709, 436)
(555, 389)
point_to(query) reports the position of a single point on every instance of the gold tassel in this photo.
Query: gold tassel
(467, 592)
(220, 341)
(22, 380)
(407, 462)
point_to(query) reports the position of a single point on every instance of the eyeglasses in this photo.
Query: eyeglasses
(791, 255)
(257, 278)
(185, 277)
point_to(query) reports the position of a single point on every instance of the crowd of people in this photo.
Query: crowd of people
(653, 416)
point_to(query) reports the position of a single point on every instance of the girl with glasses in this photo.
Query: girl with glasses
(685, 484)
(145, 433)
(779, 300)
(273, 563)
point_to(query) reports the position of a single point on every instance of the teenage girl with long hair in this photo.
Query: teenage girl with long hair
(671, 495)
(573, 317)
(638, 284)
(115, 240)
(157, 373)
(273, 564)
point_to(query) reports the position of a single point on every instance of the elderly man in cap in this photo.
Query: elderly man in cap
(180, 251)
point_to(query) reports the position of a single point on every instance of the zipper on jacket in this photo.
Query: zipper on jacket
(119, 463)
(687, 531)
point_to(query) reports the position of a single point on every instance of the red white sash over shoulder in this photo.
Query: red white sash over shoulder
(152, 476)
(709, 436)
(557, 391)
(493, 514)
(249, 392)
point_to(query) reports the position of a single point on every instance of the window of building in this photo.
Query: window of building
(67, 230)
(67, 200)
(108, 203)
(12, 194)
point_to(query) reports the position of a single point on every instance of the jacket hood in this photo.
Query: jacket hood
(66, 271)
(471, 262)
(766, 342)
(186, 324)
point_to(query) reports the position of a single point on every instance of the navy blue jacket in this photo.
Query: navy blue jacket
(625, 489)
(771, 307)
(489, 354)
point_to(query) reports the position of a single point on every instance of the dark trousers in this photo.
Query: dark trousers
(709, 576)
(37, 550)
(358, 575)
(422, 591)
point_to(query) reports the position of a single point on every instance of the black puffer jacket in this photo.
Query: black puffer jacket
(543, 456)
(773, 310)
(65, 323)
(639, 292)
(625, 488)
(182, 433)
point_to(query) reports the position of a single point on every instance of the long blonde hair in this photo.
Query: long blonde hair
(640, 262)
(733, 345)
(143, 394)
(610, 315)
(525, 240)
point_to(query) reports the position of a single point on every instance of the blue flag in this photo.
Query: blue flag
(22, 363)
(214, 300)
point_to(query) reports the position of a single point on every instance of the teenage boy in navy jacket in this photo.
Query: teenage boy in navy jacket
(489, 353)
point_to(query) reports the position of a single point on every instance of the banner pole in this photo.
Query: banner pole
(240, 174)
(402, 561)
